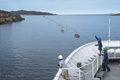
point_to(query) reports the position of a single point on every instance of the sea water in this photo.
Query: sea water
(29, 49)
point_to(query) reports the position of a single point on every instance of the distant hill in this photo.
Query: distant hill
(23, 12)
(5, 12)
(117, 14)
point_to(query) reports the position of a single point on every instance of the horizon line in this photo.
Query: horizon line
(67, 13)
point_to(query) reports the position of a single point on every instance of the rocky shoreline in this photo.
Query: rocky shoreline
(14, 16)
(11, 19)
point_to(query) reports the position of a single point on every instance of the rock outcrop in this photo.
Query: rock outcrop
(7, 17)
(10, 19)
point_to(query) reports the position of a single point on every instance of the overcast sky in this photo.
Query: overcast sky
(63, 6)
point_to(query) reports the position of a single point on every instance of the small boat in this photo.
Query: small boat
(4, 16)
(90, 62)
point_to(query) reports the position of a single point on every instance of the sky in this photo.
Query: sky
(63, 6)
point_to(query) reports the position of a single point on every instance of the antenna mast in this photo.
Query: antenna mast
(109, 27)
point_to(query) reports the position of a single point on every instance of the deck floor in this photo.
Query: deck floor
(114, 74)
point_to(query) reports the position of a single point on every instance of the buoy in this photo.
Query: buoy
(77, 35)
(63, 27)
(62, 30)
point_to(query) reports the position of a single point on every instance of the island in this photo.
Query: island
(117, 14)
(24, 12)
(14, 16)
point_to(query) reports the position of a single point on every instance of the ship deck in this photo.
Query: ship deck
(88, 56)
(114, 74)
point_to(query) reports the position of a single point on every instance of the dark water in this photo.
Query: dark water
(29, 49)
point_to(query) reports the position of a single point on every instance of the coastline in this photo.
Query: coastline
(11, 19)
(14, 16)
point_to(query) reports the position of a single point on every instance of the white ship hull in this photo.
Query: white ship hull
(88, 56)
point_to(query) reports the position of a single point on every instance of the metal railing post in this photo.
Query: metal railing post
(97, 62)
(114, 54)
(101, 59)
(79, 74)
(92, 70)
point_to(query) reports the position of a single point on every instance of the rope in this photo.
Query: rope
(62, 27)
(65, 28)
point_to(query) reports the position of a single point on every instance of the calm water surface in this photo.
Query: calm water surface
(29, 49)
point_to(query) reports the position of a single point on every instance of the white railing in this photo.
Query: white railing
(87, 74)
(71, 77)
(92, 67)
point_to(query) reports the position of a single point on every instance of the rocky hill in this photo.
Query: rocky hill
(23, 12)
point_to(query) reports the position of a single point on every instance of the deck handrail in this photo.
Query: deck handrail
(91, 63)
